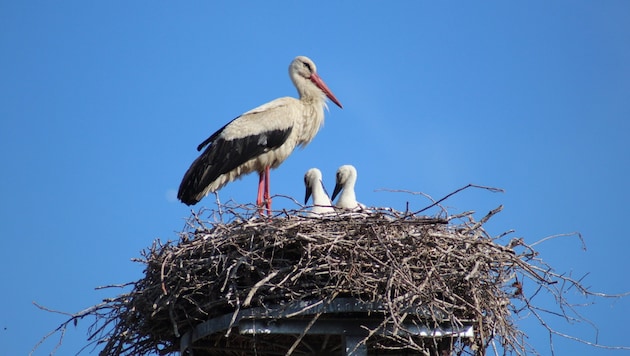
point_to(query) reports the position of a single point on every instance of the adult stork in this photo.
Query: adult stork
(344, 183)
(260, 139)
(315, 187)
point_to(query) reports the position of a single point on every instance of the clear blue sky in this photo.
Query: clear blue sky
(102, 106)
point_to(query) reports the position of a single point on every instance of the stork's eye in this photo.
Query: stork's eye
(308, 66)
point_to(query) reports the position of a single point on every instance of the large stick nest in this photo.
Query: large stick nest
(401, 272)
(450, 267)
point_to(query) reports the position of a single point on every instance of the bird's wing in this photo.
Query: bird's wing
(250, 117)
(247, 136)
(213, 136)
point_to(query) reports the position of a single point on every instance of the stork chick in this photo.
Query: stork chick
(315, 187)
(345, 181)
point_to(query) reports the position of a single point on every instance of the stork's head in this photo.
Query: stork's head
(312, 177)
(346, 173)
(346, 177)
(302, 66)
(303, 73)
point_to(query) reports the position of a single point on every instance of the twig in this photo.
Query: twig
(252, 291)
(577, 234)
(494, 190)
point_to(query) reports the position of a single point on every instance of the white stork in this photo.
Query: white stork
(345, 180)
(260, 139)
(314, 186)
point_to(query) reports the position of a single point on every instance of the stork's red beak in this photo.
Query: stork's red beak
(321, 85)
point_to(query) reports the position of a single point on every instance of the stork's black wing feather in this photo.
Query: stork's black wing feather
(214, 136)
(222, 155)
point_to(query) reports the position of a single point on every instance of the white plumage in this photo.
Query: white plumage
(345, 180)
(315, 187)
(260, 139)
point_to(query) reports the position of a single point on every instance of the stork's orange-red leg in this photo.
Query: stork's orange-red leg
(267, 196)
(261, 188)
(263, 199)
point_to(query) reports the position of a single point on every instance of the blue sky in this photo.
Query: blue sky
(103, 104)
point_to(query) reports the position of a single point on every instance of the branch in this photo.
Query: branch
(494, 190)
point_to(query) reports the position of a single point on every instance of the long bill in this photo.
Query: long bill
(321, 85)
(337, 190)
(309, 191)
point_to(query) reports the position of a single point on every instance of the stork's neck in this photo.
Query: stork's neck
(347, 194)
(319, 196)
(308, 92)
(313, 103)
